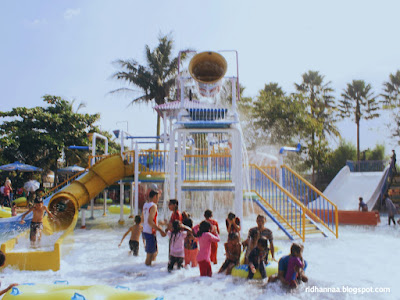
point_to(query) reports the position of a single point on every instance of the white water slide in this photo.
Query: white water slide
(345, 189)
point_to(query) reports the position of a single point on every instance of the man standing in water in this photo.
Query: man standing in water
(150, 227)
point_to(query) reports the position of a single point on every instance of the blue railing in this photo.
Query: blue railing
(280, 201)
(312, 198)
(214, 167)
(386, 183)
(367, 165)
(207, 114)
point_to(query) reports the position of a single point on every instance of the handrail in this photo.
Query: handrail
(386, 185)
(62, 184)
(328, 207)
(294, 202)
(308, 184)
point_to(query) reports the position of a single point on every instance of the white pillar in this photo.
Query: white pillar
(172, 164)
(136, 179)
(179, 171)
(239, 177)
(131, 198)
(83, 224)
(105, 203)
(121, 202)
(91, 209)
(280, 163)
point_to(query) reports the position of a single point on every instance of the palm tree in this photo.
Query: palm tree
(391, 90)
(358, 99)
(320, 103)
(156, 80)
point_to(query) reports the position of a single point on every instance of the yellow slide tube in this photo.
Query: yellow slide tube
(65, 206)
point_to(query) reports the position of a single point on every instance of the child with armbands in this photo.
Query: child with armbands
(233, 249)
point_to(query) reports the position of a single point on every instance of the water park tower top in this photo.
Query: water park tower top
(203, 81)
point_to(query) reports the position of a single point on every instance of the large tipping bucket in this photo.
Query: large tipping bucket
(208, 68)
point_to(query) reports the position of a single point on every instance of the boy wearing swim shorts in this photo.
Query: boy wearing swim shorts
(135, 231)
(38, 210)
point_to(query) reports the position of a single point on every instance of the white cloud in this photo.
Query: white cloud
(71, 13)
(38, 22)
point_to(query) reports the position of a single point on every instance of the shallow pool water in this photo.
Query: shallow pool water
(362, 258)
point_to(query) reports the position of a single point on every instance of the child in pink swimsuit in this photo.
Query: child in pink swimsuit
(205, 239)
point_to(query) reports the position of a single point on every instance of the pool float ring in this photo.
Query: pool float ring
(101, 201)
(277, 253)
(115, 209)
(21, 201)
(5, 212)
(74, 292)
(243, 270)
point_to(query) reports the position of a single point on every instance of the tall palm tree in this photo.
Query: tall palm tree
(155, 80)
(391, 90)
(358, 99)
(320, 103)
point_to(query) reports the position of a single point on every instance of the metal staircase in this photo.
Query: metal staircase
(290, 214)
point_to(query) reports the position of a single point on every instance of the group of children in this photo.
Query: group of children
(198, 245)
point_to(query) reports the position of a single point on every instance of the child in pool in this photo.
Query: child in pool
(249, 244)
(257, 258)
(2, 262)
(295, 265)
(135, 231)
(38, 210)
(214, 230)
(13, 209)
(176, 244)
(191, 245)
(206, 238)
(233, 249)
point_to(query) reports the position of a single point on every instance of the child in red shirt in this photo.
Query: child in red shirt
(214, 230)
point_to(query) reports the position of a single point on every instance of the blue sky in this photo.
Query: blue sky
(66, 48)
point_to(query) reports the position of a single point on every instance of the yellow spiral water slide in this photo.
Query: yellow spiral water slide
(65, 206)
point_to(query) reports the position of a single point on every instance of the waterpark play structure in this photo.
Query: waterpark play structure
(203, 152)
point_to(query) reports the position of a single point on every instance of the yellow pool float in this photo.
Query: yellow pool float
(271, 268)
(5, 212)
(243, 270)
(115, 209)
(21, 201)
(74, 292)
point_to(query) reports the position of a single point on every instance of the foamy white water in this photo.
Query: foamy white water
(362, 257)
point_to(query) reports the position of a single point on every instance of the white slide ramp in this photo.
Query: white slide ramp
(345, 189)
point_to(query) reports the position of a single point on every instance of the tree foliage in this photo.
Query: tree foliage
(319, 119)
(155, 80)
(359, 103)
(38, 135)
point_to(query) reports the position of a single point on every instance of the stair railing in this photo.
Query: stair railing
(289, 210)
(319, 207)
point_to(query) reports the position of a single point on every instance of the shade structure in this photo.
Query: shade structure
(18, 166)
(70, 169)
(31, 185)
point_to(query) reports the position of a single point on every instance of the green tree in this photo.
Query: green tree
(391, 100)
(279, 117)
(337, 159)
(155, 80)
(358, 101)
(391, 91)
(38, 135)
(320, 121)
